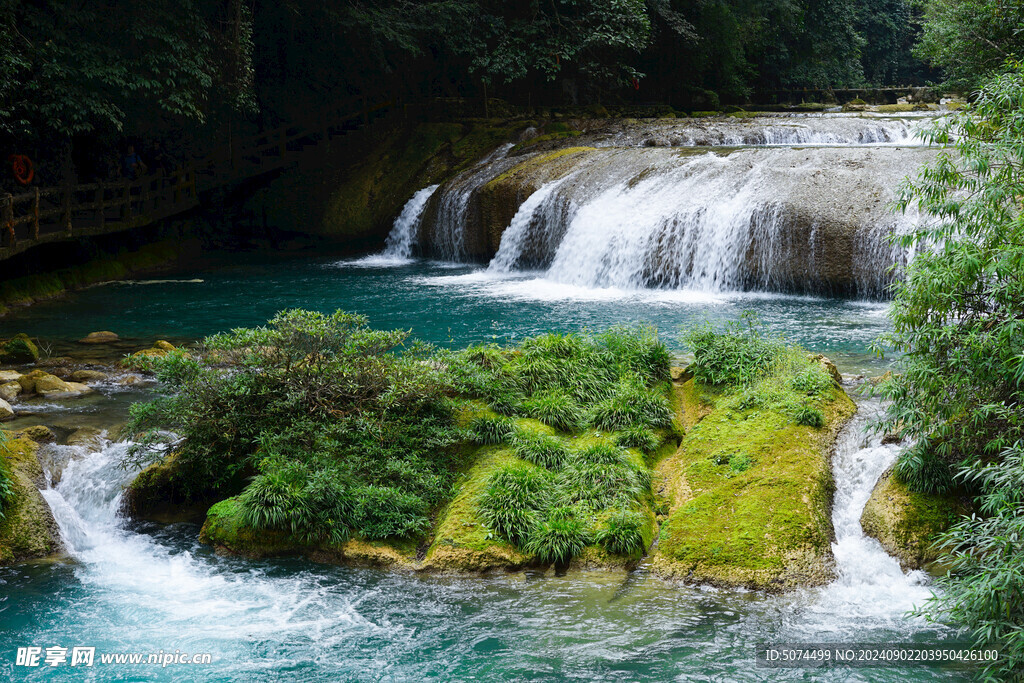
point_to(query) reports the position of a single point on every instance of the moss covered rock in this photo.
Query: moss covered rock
(157, 494)
(747, 497)
(27, 529)
(19, 349)
(906, 522)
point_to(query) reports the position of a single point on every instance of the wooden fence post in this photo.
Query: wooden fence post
(67, 208)
(101, 203)
(9, 221)
(35, 216)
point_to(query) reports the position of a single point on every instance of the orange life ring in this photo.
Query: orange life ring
(21, 167)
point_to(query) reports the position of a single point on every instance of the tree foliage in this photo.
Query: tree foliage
(971, 39)
(958, 319)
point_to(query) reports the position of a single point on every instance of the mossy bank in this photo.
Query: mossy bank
(27, 528)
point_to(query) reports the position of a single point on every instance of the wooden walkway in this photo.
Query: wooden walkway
(54, 214)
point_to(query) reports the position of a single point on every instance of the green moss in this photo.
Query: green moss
(27, 290)
(755, 506)
(27, 529)
(906, 522)
(19, 349)
(363, 198)
(894, 108)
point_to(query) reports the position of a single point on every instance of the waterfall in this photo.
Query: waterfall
(818, 130)
(402, 238)
(448, 234)
(536, 218)
(801, 206)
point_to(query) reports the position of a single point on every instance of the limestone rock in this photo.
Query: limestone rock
(906, 522)
(80, 388)
(165, 346)
(9, 376)
(9, 391)
(46, 383)
(6, 411)
(19, 349)
(86, 437)
(104, 337)
(39, 434)
(88, 376)
(28, 529)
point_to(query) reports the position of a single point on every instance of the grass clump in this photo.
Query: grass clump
(491, 430)
(554, 408)
(538, 448)
(515, 496)
(560, 537)
(632, 404)
(623, 533)
(638, 437)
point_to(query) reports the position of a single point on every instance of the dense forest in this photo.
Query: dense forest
(81, 80)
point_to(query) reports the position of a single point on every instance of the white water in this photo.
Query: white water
(871, 587)
(402, 238)
(782, 129)
(772, 216)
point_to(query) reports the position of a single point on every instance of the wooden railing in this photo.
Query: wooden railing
(58, 213)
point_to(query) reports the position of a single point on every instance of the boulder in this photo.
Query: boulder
(39, 434)
(28, 529)
(46, 383)
(104, 337)
(88, 376)
(165, 346)
(906, 522)
(19, 349)
(6, 411)
(9, 391)
(86, 437)
(80, 388)
(9, 376)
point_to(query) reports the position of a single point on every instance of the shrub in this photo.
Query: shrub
(638, 437)
(558, 538)
(556, 409)
(491, 430)
(513, 497)
(540, 449)
(622, 533)
(734, 356)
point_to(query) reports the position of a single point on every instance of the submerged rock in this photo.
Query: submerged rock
(103, 337)
(88, 376)
(39, 434)
(906, 522)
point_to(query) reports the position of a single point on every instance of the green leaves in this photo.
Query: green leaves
(957, 319)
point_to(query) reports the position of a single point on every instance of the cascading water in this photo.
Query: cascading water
(871, 587)
(627, 215)
(402, 238)
(450, 223)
